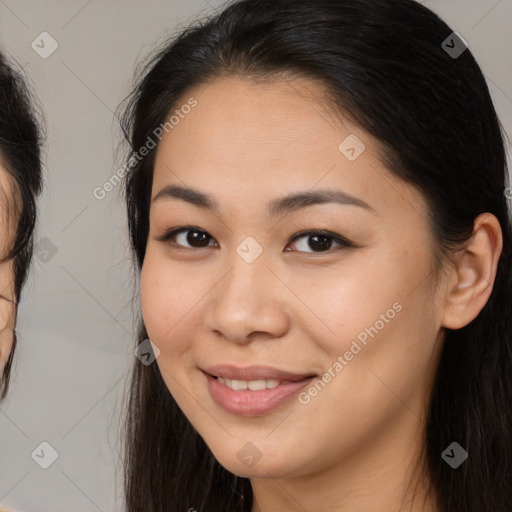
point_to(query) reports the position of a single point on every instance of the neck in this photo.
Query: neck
(383, 474)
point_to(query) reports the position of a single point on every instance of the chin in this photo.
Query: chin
(249, 462)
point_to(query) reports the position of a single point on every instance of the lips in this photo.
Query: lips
(253, 396)
(256, 372)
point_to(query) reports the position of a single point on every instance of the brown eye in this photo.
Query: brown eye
(320, 241)
(195, 237)
(190, 237)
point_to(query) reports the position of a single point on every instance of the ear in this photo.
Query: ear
(475, 271)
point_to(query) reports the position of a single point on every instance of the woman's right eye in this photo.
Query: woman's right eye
(195, 237)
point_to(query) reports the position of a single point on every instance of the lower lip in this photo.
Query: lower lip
(253, 403)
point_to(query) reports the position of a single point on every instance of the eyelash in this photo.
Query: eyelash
(343, 242)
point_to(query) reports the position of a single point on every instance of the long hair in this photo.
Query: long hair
(21, 139)
(387, 66)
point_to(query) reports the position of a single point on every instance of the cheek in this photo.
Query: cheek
(365, 313)
(167, 298)
(341, 302)
(162, 297)
(171, 297)
(385, 335)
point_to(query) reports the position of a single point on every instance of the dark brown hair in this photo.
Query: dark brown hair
(21, 139)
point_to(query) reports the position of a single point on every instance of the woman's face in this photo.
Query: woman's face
(241, 288)
(8, 220)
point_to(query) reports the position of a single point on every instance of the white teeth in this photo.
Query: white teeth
(253, 385)
(257, 385)
(238, 384)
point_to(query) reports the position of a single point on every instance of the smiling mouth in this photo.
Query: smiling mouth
(257, 384)
(253, 390)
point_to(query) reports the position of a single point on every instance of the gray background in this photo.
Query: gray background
(75, 321)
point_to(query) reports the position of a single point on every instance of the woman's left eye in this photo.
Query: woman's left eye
(322, 240)
(317, 241)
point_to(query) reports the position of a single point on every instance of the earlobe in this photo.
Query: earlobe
(474, 273)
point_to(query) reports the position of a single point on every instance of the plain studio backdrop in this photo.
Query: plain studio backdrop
(75, 326)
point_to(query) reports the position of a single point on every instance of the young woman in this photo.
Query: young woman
(20, 184)
(317, 205)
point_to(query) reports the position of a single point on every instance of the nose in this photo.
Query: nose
(249, 301)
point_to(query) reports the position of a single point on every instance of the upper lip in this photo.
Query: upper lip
(256, 372)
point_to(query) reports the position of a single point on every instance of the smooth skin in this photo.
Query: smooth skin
(353, 447)
(8, 223)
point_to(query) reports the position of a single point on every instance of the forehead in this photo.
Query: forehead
(249, 115)
(265, 139)
(247, 126)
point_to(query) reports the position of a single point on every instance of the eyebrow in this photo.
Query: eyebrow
(280, 206)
